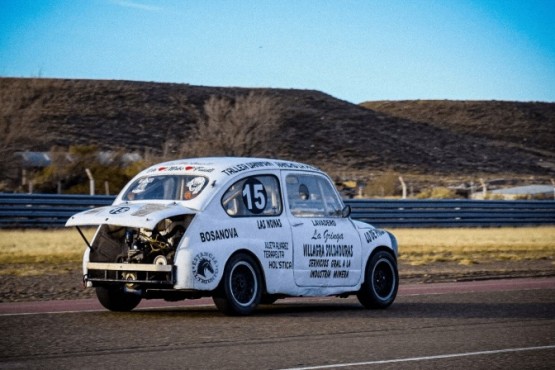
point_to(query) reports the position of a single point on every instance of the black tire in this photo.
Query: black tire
(116, 299)
(268, 299)
(241, 288)
(381, 282)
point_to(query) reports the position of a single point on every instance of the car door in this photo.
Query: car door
(326, 246)
(255, 210)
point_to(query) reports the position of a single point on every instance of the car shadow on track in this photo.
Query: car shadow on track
(421, 309)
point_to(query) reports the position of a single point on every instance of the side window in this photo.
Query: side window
(312, 196)
(253, 196)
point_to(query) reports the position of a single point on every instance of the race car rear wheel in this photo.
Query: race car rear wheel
(115, 298)
(381, 282)
(241, 287)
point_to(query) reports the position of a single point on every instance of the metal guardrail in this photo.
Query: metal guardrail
(53, 210)
(453, 213)
(45, 210)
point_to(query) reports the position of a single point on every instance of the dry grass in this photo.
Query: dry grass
(471, 246)
(416, 246)
(36, 246)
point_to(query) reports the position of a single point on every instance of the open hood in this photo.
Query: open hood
(143, 215)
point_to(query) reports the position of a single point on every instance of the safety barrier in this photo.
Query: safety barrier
(53, 210)
(45, 210)
(453, 213)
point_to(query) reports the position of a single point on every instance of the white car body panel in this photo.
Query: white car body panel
(298, 256)
(140, 215)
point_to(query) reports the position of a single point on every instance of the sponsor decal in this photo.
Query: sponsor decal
(199, 169)
(280, 265)
(295, 166)
(119, 210)
(327, 236)
(372, 235)
(246, 166)
(277, 258)
(274, 254)
(327, 250)
(196, 184)
(324, 223)
(269, 224)
(214, 235)
(328, 260)
(142, 185)
(171, 168)
(205, 267)
(276, 245)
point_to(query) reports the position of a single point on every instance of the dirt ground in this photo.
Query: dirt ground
(63, 281)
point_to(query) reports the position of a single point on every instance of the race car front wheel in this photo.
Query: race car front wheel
(241, 287)
(381, 281)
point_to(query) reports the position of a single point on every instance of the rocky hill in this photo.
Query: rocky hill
(433, 138)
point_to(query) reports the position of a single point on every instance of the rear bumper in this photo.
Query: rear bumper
(129, 273)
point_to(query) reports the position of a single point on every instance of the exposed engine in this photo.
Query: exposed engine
(133, 245)
(127, 245)
(153, 246)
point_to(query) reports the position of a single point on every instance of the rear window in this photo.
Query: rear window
(167, 187)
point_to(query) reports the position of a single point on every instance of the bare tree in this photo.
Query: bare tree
(244, 127)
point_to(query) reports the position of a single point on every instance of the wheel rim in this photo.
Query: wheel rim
(383, 279)
(243, 284)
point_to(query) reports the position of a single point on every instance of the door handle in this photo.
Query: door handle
(297, 224)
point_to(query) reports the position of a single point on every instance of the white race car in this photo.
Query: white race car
(245, 231)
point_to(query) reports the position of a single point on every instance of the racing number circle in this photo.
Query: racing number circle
(254, 196)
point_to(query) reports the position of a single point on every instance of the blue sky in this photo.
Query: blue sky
(353, 50)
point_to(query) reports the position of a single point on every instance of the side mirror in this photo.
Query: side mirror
(346, 211)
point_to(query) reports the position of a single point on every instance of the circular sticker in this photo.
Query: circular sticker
(254, 196)
(117, 211)
(205, 267)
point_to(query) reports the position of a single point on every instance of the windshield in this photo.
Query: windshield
(166, 187)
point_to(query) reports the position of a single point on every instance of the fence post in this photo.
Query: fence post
(484, 188)
(91, 180)
(404, 187)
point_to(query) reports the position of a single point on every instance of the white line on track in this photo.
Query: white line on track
(425, 358)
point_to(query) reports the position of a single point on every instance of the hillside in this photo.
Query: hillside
(435, 138)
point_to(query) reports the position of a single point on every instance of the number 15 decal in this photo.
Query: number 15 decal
(254, 196)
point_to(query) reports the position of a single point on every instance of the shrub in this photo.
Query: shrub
(437, 193)
(68, 170)
(387, 184)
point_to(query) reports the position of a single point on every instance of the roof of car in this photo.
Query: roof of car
(222, 167)
(218, 170)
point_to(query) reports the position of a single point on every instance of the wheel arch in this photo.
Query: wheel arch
(381, 248)
(255, 259)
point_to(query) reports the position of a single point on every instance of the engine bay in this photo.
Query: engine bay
(138, 245)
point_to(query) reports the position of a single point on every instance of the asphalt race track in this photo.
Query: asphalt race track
(505, 324)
